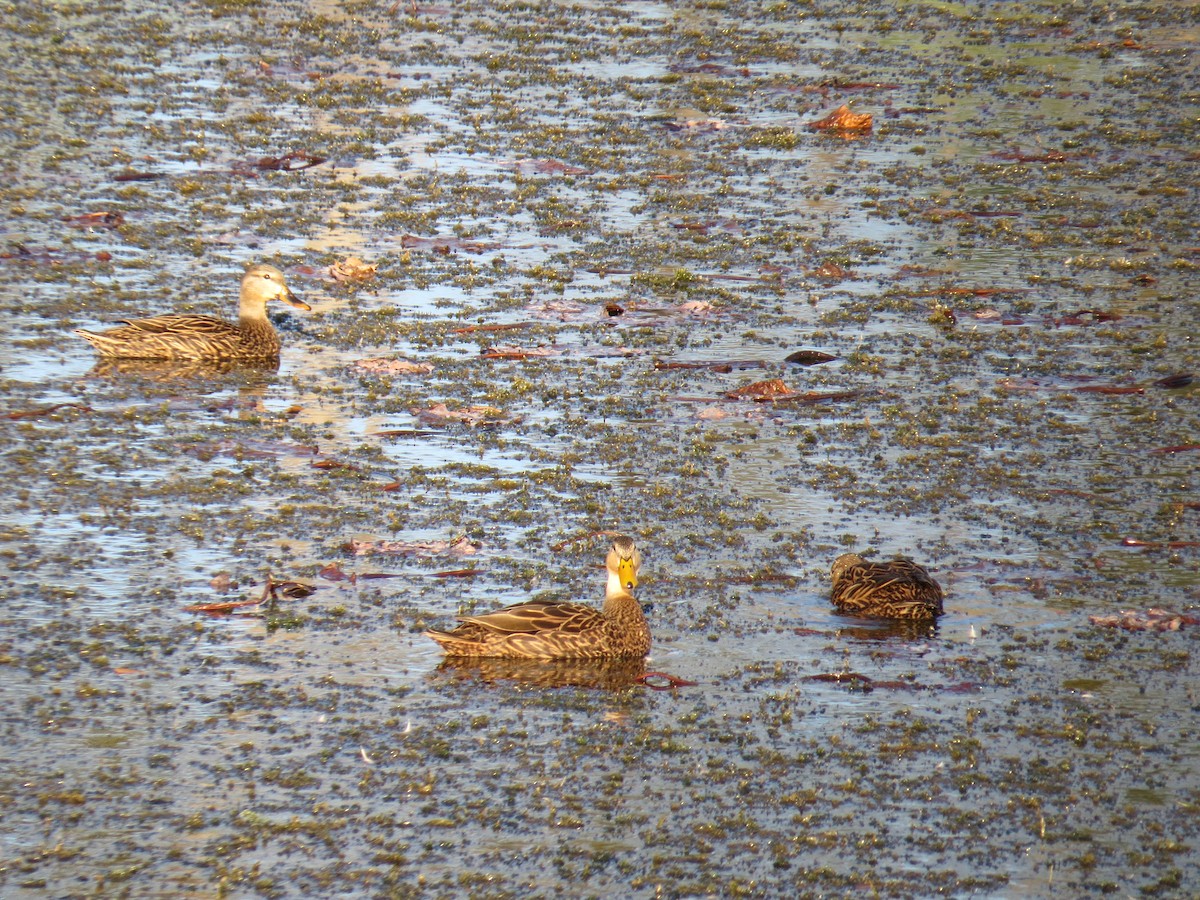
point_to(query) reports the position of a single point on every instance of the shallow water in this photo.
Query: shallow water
(1019, 224)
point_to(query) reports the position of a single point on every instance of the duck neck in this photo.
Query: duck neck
(255, 327)
(615, 593)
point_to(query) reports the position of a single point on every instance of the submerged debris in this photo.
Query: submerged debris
(397, 366)
(1152, 619)
(476, 416)
(458, 547)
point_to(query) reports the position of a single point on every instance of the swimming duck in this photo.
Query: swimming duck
(899, 589)
(205, 337)
(551, 630)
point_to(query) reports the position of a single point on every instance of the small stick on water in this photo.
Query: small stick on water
(672, 681)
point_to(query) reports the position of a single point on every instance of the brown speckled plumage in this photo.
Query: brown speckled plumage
(547, 630)
(205, 337)
(899, 589)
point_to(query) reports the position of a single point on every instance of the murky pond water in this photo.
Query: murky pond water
(1004, 269)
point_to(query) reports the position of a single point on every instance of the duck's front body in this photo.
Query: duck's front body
(899, 589)
(205, 337)
(549, 630)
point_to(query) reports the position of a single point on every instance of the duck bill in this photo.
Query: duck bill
(292, 300)
(627, 572)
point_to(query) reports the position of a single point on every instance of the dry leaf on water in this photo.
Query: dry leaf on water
(843, 121)
(352, 269)
(383, 366)
(548, 167)
(96, 220)
(761, 390)
(289, 162)
(440, 414)
(831, 271)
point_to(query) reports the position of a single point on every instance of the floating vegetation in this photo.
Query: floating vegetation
(566, 263)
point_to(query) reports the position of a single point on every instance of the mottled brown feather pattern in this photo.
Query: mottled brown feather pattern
(899, 589)
(205, 337)
(547, 630)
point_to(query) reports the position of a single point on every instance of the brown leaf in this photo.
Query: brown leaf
(96, 220)
(220, 609)
(1087, 317)
(333, 572)
(831, 271)
(289, 162)
(333, 464)
(401, 366)
(842, 120)
(548, 167)
(352, 269)
(771, 389)
(440, 414)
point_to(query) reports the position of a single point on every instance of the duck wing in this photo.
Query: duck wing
(897, 571)
(180, 325)
(538, 617)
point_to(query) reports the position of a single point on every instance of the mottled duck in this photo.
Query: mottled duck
(550, 630)
(899, 589)
(205, 337)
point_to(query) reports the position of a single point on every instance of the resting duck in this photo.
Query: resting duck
(205, 337)
(551, 630)
(899, 589)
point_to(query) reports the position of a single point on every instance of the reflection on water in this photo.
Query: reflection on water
(164, 371)
(887, 629)
(603, 674)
